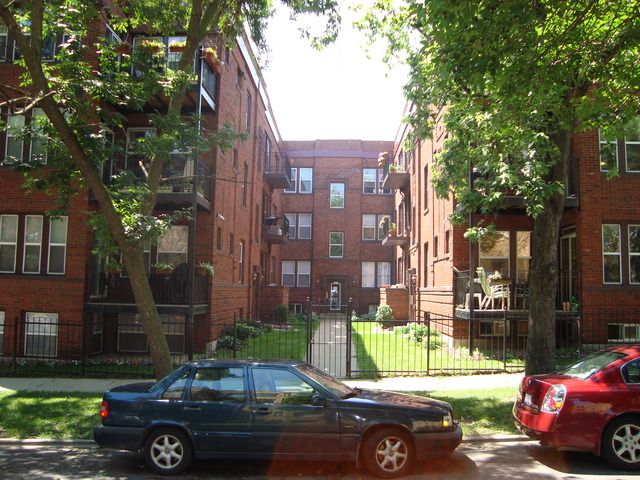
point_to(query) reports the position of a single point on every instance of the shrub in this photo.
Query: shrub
(241, 331)
(418, 333)
(281, 313)
(384, 316)
(366, 317)
(230, 343)
(298, 318)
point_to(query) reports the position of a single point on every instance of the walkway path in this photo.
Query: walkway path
(329, 345)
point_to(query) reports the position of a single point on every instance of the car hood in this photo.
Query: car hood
(392, 399)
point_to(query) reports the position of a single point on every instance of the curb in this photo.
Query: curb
(52, 442)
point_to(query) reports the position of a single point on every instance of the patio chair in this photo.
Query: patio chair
(493, 292)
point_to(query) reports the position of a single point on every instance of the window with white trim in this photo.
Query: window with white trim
(304, 273)
(623, 332)
(299, 225)
(8, 243)
(288, 273)
(14, 144)
(41, 334)
(621, 153)
(58, 246)
(32, 244)
(1, 332)
(241, 262)
(293, 177)
(306, 180)
(173, 247)
(384, 273)
(292, 219)
(634, 254)
(611, 254)
(369, 226)
(368, 274)
(336, 244)
(336, 195)
(369, 180)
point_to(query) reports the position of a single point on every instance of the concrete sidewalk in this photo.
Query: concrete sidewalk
(396, 384)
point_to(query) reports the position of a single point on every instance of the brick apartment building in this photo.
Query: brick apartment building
(53, 284)
(334, 207)
(599, 246)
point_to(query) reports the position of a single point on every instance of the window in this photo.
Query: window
(523, 255)
(494, 328)
(611, 254)
(369, 226)
(1, 332)
(234, 161)
(376, 274)
(291, 218)
(218, 385)
(304, 274)
(38, 136)
(4, 40)
(628, 147)
(634, 253)
(384, 273)
(232, 244)
(306, 180)
(137, 141)
(248, 112)
(632, 146)
(336, 244)
(32, 244)
(494, 252)
(218, 238)
(369, 182)
(277, 386)
(14, 146)
(173, 58)
(41, 334)
(97, 327)
(295, 308)
(173, 246)
(288, 273)
(425, 187)
(447, 239)
(267, 153)
(621, 332)
(293, 177)
(131, 337)
(241, 262)
(336, 195)
(57, 245)
(245, 180)
(304, 226)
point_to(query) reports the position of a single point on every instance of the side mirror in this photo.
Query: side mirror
(319, 401)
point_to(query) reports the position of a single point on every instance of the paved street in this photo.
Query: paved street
(473, 460)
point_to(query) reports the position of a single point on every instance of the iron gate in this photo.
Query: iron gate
(329, 347)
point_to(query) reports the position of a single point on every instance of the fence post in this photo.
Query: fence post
(428, 320)
(235, 334)
(504, 340)
(348, 346)
(309, 328)
(84, 345)
(15, 347)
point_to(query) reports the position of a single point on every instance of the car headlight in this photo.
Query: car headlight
(447, 420)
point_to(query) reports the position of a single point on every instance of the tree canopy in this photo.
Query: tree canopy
(512, 82)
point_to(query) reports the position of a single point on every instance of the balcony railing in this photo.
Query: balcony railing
(277, 170)
(168, 289)
(392, 234)
(394, 176)
(275, 230)
(567, 296)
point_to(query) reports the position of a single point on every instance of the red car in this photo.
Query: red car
(592, 404)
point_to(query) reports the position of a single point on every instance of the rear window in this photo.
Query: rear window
(592, 363)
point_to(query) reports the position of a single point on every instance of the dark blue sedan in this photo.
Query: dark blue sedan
(262, 409)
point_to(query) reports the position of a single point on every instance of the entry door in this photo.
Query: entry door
(335, 295)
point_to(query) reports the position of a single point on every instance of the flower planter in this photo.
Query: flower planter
(163, 271)
(122, 48)
(176, 48)
(500, 282)
(113, 270)
(212, 60)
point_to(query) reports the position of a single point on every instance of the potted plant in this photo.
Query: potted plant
(163, 268)
(177, 46)
(122, 47)
(211, 56)
(392, 229)
(395, 168)
(205, 268)
(150, 45)
(498, 278)
(382, 159)
(113, 266)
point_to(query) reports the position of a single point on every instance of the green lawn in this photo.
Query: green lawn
(71, 415)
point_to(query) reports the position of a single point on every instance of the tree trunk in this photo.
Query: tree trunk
(543, 275)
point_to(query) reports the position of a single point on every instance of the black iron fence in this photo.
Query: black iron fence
(43, 345)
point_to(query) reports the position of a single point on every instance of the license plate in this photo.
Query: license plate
(527, 399)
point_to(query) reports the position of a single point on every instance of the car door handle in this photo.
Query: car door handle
(262, 410)
(192, 409)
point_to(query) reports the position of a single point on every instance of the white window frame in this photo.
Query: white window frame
(336, 245)
(7, 242)
(14, 122)
(635, 143)
(293, 181)
(383, 273)
(633, 254)
(368, 275)
(601, 142)
(44, 325)
(304, 273)
(612, 253)
(305, 222)
(33, 243)
(305, 175)
(337, 195)
(369, 226)
(288, 273)
(58, 241)
(292, 219)
(627, 332)
(368, 183)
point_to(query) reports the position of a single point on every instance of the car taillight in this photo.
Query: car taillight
(554, 399)
(104, 409)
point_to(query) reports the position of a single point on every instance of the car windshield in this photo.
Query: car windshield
(587, 366)
(335, 386)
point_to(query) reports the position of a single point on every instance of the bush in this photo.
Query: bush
(418, 333)
(241, 331)
(298, 318)
(384, 316)
(280, 313)
(231, 343)
(366, 317)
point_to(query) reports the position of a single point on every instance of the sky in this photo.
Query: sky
(335, 93)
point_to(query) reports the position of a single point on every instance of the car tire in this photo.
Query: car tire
(621, 443)
(388, 453)
(168, 451)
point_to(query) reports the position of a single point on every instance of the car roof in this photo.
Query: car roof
(628, 349)
(245, 361)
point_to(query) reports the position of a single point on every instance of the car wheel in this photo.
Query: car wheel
(621, 443)
(168, 451)
(388, 453)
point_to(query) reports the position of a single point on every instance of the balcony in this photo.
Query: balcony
(275, 230)
(277, 170)
(170, 289)
(394, 176)
(392, 236)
